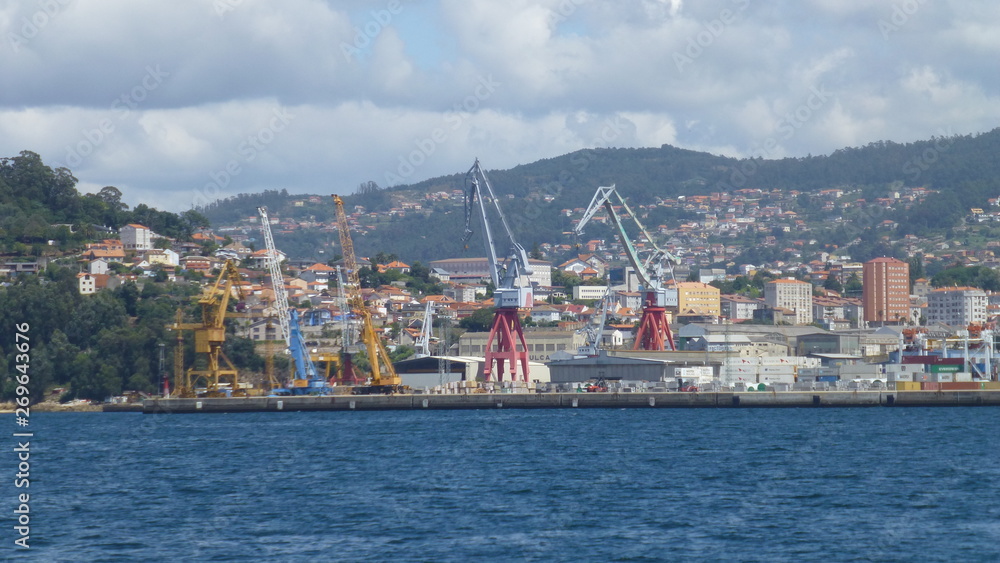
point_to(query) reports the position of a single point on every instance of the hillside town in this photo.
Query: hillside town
(816, 301)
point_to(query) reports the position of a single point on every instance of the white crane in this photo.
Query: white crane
(654, 332)
(508, 296)
(346, 329)
(277, 282)
(593, 330)
(423, 342)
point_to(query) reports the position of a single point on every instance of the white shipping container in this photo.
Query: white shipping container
(750, 361)
(963, 376)
(736, 377)
(779, 360)
(776, 369)
(786, 378)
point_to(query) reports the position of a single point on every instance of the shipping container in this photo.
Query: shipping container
(828, 378)
(991, 384)
(959, 385)
(776, 369)
(929, 385)
(946, 368)
(907, 386)
(770, 378)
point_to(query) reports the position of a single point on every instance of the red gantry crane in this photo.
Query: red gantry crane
(654, 331)
(508, 297)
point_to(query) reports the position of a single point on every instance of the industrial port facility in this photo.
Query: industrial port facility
(698, 366)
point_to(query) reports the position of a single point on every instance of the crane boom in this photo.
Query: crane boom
(277, 282)
(306, 374)
(423, 342)
(508, 296)
(384, 377)
(505, 274)
(654, 331)
(649, 271)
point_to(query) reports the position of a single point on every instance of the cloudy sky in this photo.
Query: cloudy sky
(178, 103)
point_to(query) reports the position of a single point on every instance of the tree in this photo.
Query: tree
(833, 284)
(195, 220)
(536, 253)
(853, 286)
(479, 321)
(128, 293)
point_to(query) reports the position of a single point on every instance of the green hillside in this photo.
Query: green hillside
(39, 204)
(963, 168)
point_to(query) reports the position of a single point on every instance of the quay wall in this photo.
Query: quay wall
(759, 399)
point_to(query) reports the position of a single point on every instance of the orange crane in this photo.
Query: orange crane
(209, 336)
(383, 376)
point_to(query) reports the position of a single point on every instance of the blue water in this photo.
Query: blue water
(550, 485)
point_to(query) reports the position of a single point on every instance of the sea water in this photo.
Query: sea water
(862, 484)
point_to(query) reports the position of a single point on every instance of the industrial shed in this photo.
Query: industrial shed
(431, 371)
(609, 367)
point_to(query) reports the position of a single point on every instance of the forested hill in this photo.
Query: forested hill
(964, 168)
(39, 203)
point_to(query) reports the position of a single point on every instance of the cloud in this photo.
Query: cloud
(167, 99)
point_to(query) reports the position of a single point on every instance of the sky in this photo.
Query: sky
(180, 103)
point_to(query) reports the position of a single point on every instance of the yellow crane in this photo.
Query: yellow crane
(383, 376)
(209, 336)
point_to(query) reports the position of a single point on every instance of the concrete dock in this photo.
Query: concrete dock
(760, 399)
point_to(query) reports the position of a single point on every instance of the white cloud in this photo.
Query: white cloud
(510, 82)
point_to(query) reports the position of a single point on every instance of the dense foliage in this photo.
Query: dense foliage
(963, 168)
(94, 345)
(39, 204)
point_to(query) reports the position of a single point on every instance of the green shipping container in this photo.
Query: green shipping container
(945, 368)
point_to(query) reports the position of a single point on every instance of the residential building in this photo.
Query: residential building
(87, 283)
(136, 237)
(462, 293)
(478, 269)
(589, 292)
(886, 291)
(259, 258)
(92, 283)
(165, 257)
(696, 298)
(956, 306)
(109, 256)
(709, 275)
(738, 307)
(395, 265)
(318, 272)
(629, 299)
(790, 294)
